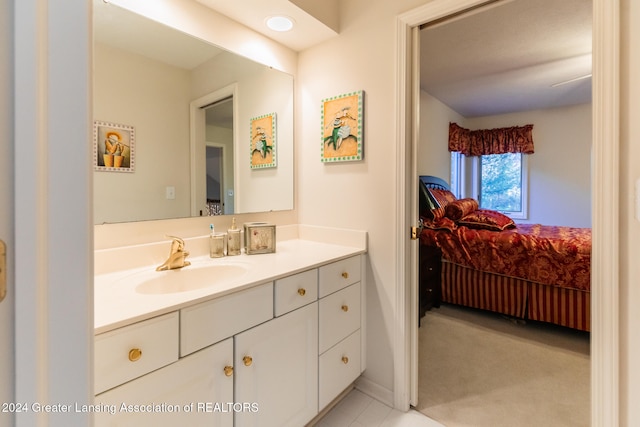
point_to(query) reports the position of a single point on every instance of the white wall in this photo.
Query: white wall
(560, 168)
(559, 190)
(7, 366)
(433, 153)
(358, 195)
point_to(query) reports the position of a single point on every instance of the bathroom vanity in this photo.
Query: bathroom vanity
(271, 342)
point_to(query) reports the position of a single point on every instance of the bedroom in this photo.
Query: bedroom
(463, 82)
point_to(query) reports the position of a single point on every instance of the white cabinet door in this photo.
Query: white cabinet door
(195, 391)
(277, 369)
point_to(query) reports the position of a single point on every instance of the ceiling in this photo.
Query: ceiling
(313, 24)
(501, 58)
(506, 57)
(119, 28)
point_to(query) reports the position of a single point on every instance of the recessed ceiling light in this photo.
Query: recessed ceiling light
(279, 23)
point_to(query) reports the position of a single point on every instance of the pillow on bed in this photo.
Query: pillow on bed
(487, 219)
(461, 208)
(443, 197)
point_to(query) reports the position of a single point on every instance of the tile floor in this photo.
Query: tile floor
(359, 410)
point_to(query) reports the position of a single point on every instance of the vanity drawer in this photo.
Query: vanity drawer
(339, 316)
(295, 291)
(338, 367)
(338, 275)
(212, 321)
(134, 350)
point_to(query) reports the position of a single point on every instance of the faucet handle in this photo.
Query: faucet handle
(174, 238)
(177, 244)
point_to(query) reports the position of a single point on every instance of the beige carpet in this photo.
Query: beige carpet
(481, 369)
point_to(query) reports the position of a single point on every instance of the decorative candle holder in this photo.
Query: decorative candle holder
(259, 238)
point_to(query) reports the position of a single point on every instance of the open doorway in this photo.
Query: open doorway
(213, 144)
(604, 365)
(219, 142)
(485, 69)
(215, 180)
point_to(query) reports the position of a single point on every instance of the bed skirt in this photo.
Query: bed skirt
(515, 297)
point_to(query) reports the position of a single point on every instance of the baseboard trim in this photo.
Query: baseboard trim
(375, 390)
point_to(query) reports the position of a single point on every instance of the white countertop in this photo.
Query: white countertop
(117, 303)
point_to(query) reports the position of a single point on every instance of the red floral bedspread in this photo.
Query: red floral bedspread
(553, 255)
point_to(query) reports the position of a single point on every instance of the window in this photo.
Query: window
(457, 174)
(499, 181)
(502, 184)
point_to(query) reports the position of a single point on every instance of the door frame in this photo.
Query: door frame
(605, 205)
(7, 361)
(53, 210)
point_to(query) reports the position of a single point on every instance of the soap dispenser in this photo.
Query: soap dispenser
(233, 239)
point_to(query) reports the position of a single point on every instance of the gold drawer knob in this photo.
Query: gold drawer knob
(345, 359)
(302, 292)
(228, 370)
(135, 354)
(345, 275)
(345, 308)
(248, 360)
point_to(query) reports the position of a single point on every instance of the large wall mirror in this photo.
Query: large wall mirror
(191, 106)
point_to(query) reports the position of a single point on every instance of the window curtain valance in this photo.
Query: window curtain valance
(516, 139)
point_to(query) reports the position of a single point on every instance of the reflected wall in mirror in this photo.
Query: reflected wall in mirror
(157, 79)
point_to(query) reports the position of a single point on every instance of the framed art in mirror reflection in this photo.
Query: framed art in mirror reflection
(113, 147)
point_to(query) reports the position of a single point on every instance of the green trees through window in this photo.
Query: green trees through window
(501, 182)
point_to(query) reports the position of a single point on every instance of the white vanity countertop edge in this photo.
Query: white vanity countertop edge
(117, 304)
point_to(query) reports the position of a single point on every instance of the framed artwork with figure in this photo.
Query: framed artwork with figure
(113, 147)
(342, 125)
(263, 141)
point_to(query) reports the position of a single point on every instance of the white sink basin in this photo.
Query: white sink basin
(188, 278)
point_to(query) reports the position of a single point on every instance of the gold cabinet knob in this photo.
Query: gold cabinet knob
(302, 292)
(228, 370)
(135, 354)
(248, 360)
(345, 359)
(345, 308)
(345, 275)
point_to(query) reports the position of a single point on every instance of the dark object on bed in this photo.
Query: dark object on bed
(427, 202)
(529, 271)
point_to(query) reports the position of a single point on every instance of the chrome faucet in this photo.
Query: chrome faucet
(176, 256)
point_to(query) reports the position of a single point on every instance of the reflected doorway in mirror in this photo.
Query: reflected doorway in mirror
(113, 147)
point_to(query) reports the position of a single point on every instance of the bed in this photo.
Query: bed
(486, 261)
